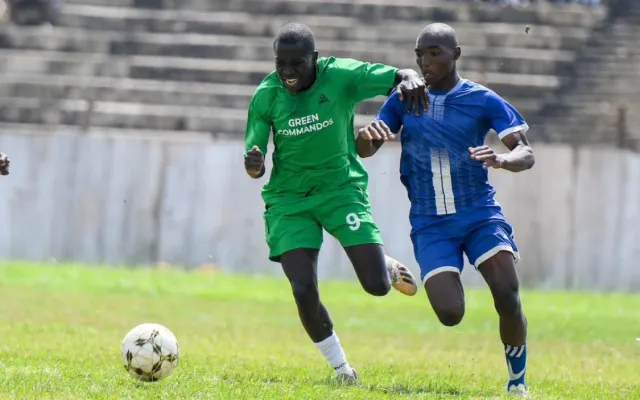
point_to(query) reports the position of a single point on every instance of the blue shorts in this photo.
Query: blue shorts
(439, 241)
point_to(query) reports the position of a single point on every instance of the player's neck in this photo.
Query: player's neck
(447, 83)
(311, 82)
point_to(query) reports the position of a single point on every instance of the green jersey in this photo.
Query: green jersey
(313, 136)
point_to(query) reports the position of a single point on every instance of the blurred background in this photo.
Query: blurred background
(124, 121)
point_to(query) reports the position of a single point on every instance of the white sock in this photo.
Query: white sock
(333, 353)
(390, 262)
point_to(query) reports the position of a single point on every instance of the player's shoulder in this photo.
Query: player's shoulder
(338, 64)
(268, 88)
(270, 83)
(480, 93)
(471, 88)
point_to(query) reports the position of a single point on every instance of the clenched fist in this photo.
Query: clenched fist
(4, 164)
(254, 162)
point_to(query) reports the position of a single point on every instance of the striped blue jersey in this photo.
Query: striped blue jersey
(435, 165)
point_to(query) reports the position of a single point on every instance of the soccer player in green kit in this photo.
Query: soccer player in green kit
(317, 181)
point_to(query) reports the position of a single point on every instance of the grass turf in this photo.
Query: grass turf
(240, 338)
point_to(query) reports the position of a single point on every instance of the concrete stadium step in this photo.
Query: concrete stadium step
(618, 52)
(609, 70)
(574, 122)
(164, 93)
(582, 134)
(126, 90)
(507, 60)
(128, 115)
(147, 92)
(169, 135)
(582, 110)
(495, 34)
(214, 71)
(626, 94)
(47, 62)
(600, 90)
(377, 10)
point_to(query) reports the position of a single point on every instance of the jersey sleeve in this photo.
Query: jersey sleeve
(390, 113)
(366, 80)
(504, 118)
(258, 122)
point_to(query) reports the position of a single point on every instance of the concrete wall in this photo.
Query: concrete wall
(124, 200)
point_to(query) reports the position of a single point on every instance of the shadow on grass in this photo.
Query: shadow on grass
(436, 388)
(401, 388)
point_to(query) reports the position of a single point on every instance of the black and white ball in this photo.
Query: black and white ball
(150, 352)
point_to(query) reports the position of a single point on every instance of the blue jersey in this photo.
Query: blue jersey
(435, 165)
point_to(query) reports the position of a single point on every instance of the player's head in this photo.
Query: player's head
(437, 51)
(295, 50)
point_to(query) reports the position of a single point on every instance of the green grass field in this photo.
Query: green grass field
(240, 338)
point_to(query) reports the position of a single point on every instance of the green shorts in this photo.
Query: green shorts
(296, 222)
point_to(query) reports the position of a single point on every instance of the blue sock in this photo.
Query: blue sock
(516, 364)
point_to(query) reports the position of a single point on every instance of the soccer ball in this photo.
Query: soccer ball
(150, 352)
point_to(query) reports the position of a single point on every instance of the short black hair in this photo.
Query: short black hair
(296, 33)
(444, 33)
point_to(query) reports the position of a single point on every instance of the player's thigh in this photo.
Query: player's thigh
(491, 247)
(369, 263)
(286, 232)
(346, 215)
(488, 238)
(446, 296)
(441, 262)
(300, 265)
(436, 254)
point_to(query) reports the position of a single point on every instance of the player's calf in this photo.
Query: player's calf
(300, 267)
(500, 274)
(507, 302)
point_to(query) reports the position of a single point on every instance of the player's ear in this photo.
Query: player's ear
(457, 53)
(315, 56)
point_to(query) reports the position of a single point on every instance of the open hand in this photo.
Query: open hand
(415, 91)
(487, 155)
(377, 130)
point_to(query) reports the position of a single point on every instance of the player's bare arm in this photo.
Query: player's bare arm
(372, 137)
(519, 158)
(254, 163)
(4, 164)
(257, 135)
(411, 86)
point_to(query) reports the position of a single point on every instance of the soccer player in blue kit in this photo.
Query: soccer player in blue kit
(444, 166)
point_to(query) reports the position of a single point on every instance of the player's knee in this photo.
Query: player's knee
(306, 294)
(377, 287)
(450, 315)
(507, 301)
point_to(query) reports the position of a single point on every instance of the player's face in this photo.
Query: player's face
(295, 65)
(435, 60)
